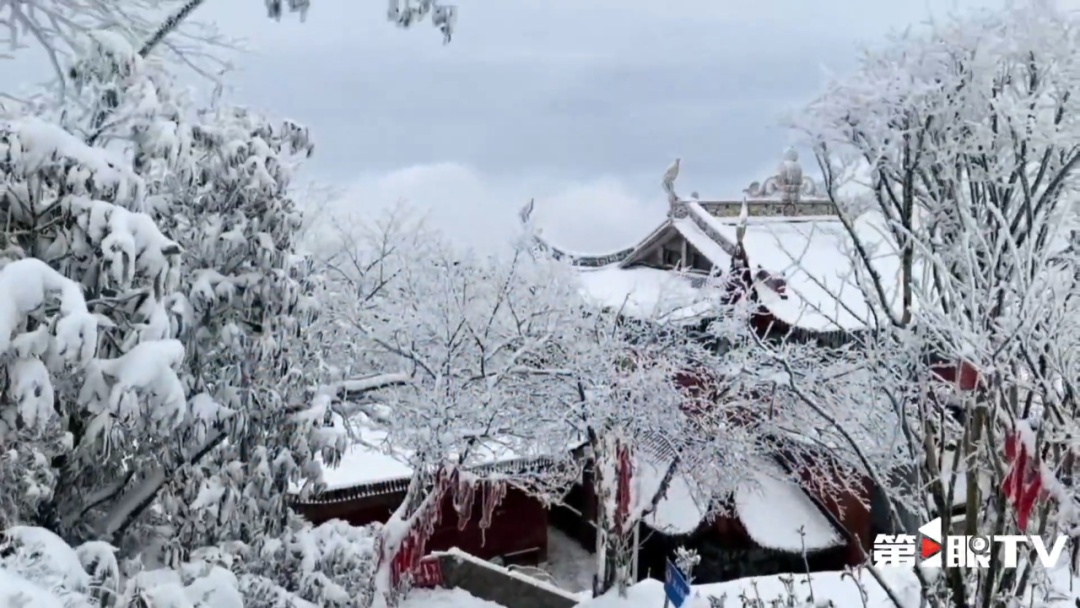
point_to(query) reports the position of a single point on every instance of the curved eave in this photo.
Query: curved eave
(510, 468)
(580, 260)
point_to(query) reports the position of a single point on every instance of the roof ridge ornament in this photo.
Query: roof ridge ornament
(744, 217)
(530, 237)
(525, 214)
(668, 184)
(789, 184)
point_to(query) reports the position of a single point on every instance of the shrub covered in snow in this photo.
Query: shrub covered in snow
(220, 306)
(326, 566)
(75, 249)
(159, 387)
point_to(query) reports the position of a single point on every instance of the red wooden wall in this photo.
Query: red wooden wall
(356, 511)
(519, 526)
(850, 505)
(518, 530)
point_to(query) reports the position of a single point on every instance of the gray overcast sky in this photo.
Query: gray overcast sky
(579, 103)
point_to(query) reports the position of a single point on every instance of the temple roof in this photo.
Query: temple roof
(797, 246)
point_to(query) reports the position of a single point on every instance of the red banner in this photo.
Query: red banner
(1023, 484)
(428, 574)
(408, 558)
(622, 492)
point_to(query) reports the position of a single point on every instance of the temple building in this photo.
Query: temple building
(786, 244)
(794, 241)
(784, 247)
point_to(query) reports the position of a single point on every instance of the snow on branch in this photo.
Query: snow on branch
(405, 13)
(26, 286)
(950, 154)
(33, 147)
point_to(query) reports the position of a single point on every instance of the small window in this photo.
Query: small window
(701, 262)
(671, 257)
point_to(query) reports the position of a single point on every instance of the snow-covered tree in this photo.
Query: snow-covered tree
(163, 26)
(161, 392)
(74, 233)
(305, 567)
(217, 181)
(621, 394)
(482, 359)
(58, 27)
(951, 156)
(165, 396)
(454, 339)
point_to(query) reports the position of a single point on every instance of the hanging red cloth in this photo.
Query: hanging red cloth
(1023, 484)
(622, 492)
(403, 560)
(413, 547)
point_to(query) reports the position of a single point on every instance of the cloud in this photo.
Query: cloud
(555, 86)
(481, 211)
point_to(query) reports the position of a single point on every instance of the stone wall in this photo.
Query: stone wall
(496, 584)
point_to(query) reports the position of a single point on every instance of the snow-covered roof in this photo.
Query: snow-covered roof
(370, 467)
(362, 465)
(702, 242)
(683, 506)
(802, 241)
(777, 513)
(649, 292)
(812, 256)
(681, 510)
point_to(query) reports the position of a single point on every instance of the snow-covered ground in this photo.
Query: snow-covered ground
(844, 591)
(568, 563)
(445, 598)
(825, 586)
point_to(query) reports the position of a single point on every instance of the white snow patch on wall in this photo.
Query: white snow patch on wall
(568, 563)
(463, 556)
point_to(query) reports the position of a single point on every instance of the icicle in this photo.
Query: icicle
(463, 501)
(494, 493)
